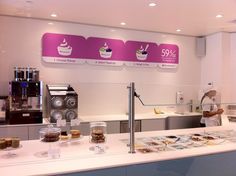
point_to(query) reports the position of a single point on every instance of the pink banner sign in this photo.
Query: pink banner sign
(60, 48)
(142, 54)
(103, 51)
(168, 56)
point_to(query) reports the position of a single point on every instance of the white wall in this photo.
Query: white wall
(211, 64)
(219, 65)
(102, 89)
(232, 68)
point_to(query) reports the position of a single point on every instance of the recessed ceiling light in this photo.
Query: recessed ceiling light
(178, 30)
(29, 1)
(219, 16)
(152, 4)
(53, 15)
(123, 23)
(50, 23)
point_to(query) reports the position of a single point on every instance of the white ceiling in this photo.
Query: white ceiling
(193, 17)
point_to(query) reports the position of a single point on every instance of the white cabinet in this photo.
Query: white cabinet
(153, 124)
(34, 131)
(14, 131)
(84, 128)
(178, 122)
(124, 126)
(113, 127)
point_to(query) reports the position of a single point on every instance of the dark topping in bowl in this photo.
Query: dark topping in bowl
(208, 137)
(196, 134)
(171, 137)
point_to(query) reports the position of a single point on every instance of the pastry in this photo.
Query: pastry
(64, 137)
(15, 142)
(3, 144)
(51, 137)
(75, 133)
(8, 142)
(97, 136)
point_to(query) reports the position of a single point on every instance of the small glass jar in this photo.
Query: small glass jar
(98, 132)
(50, 134)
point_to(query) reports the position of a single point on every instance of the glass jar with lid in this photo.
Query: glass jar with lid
(98, 132)
(50, 134)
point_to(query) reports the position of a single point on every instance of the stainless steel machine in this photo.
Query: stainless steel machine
(25, 97)
(62, 103)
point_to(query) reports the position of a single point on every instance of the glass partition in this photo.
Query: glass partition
(112, 98)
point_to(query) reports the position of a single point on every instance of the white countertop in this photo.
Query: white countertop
(77, 157)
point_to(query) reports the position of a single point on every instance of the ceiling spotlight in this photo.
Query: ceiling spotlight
(50, 23)
(152, 4)
(219, 16)
(53, 15)
(123, 23)
(178, 30)
(29, 1)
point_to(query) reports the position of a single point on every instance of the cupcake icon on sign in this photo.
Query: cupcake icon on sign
(64, 49)
(141, 53)
(105, 51)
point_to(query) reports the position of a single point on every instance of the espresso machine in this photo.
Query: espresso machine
(25, 97)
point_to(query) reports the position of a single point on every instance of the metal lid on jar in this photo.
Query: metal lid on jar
(97, 124)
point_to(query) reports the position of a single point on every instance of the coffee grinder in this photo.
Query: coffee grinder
(25, 97)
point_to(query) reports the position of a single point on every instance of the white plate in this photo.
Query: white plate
(71, 139)
(215, 142)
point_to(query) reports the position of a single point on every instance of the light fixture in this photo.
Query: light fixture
(178, 30)
(123, 23)
(152, 4)
(29, 1)
(50, 23)
(53, 15)
(219, 16)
